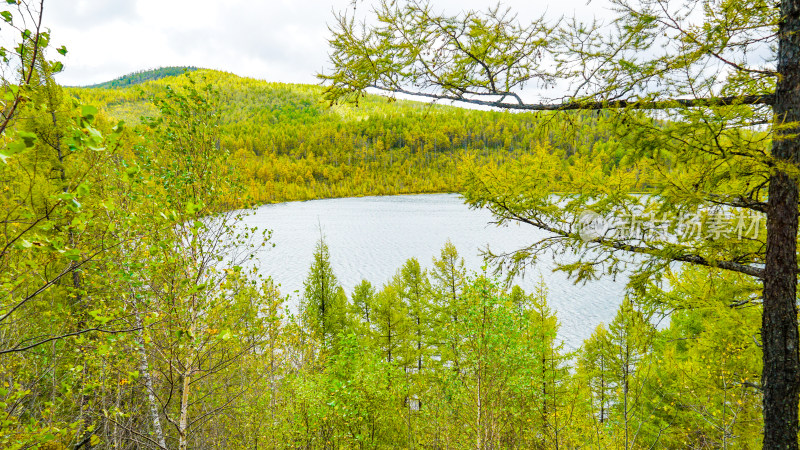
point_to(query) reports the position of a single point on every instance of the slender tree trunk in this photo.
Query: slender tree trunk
(272, 388)
(144, 368)
(479, 418)
(602, 390)
(625, 370)
(186, 380)
(183, 422)
(323, 321)
(555, 401)
(151, 402)
(779, 321)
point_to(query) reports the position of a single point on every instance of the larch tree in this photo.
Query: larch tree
(704, 95)
(322, 306)
(629, 341)
(593, 370)
(699, 362)
(390, 319)
(448, 277)
(363, 298)
(413, 286)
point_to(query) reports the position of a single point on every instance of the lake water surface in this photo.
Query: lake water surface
(372, 237)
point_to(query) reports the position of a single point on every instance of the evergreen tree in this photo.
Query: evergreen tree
(363, 298)
(594, 370)
(323, 307)
(390, 321)
(448, 280)
(555, 401)
(628, 347)
(414, 288)
(704, 385)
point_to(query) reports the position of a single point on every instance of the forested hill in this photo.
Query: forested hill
(290, 145)
(144, 75)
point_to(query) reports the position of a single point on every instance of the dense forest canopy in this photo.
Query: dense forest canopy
(127, 321)
(290, 145)
(144, 75)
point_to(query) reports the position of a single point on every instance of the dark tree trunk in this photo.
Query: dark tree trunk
(781, 373)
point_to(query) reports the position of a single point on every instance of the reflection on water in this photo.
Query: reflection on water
(371, 237)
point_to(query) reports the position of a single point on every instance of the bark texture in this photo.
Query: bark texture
(781, 372)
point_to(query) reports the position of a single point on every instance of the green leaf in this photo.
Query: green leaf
(73, 254)
(12, 149)
(62, 50)
(88, 111)
(44, 39)
(82, 190)
(57, 67)
(28, 138)
(65, 196)
(6, 15)
(95, 139)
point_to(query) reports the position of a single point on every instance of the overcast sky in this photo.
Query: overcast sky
(274, 40)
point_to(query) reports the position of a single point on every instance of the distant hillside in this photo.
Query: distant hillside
(144, 75)
(290, 145)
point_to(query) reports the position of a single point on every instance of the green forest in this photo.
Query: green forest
(128, 319)
(288, 144)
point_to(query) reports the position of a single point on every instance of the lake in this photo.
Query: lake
(372, 237)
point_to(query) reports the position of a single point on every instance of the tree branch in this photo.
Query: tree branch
(17, 348)
(766, 100)
(689, 258)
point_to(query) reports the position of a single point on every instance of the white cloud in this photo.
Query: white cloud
(277, 40)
